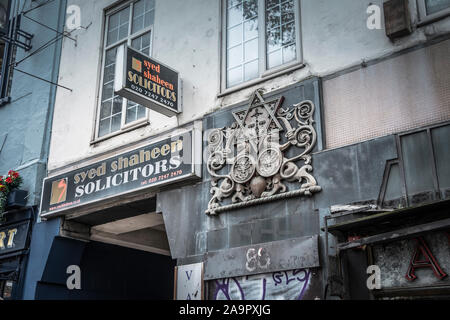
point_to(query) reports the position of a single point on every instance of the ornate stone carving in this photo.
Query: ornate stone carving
(248, 161)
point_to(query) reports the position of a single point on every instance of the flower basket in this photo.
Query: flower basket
(16, 199)
(9, 184)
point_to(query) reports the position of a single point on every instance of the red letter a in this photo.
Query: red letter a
(428, 262)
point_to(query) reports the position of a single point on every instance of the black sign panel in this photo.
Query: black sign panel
(13, 237)
(146, 81)
(166, 161)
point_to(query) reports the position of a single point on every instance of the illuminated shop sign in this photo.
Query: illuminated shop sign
(160, 163)
(146, 81)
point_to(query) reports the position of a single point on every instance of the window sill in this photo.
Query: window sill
(126, 129)
(433, 18)
(268, 75)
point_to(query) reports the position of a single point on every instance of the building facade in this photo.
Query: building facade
(30, 51)
(305, 142)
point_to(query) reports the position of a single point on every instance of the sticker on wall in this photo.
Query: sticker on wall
(189, 282)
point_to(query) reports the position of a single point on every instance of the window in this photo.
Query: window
(6, 288)
(260, 36)
(431, 9)
(130, 24)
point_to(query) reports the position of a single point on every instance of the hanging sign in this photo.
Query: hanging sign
(160, 163)
(147, 81)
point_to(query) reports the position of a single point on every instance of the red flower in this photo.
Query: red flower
(8, 180)
(15, 175)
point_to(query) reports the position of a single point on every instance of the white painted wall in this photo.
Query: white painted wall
(187, 37)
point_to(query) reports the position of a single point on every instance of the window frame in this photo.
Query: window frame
(428, 18)
(263, 72)
(124, 127)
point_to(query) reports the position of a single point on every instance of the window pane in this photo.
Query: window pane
(287, 12)
(242, 40)
(135, 112)
(143, 14)
(234, 36)
(139, 8)
(117, 105)
(232, 3)
(113, 36)
(108, 91)
(142, 43)
(234, 16)
(235, 56)
(273, 17)
(141, 112)
(104, 127)
(434, 6)
(105, 110)
(123, 31)
(251, 50)
(131, 114)
(274, 59)
(251, 70)
(113, 22)
(271, 3)
(273, 40)
(251, 29)
(288, 33)
(115, 122)
(110, 56)
(234, 76)
(149, 18)
(109, 74)
(280, 46)
(138, 23)
(250, 9)
(289, 53)
(118, 26)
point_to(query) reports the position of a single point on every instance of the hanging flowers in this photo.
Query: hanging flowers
(12, 181)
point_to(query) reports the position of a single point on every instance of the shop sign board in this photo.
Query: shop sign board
(169, 160)
(147, 81)
(13, 237)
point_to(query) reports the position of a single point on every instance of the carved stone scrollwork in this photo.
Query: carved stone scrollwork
(248, 161)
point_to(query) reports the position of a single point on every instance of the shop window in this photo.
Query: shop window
(130, 24)
(261, 36)
(432, 9)
(6, 288)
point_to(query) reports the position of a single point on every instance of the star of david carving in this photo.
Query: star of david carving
(250, 122)
(259, 163)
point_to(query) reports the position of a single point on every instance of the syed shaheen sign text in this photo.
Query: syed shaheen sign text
(166, 161)
(146, 81)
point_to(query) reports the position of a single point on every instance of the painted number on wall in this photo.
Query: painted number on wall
(257, 258)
